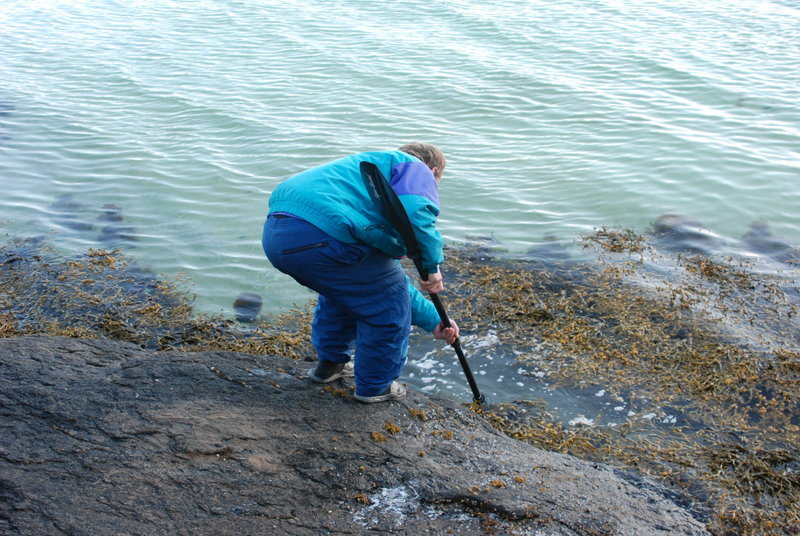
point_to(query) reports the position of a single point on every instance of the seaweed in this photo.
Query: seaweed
(671, 347)
(708, 346)
(101, 293)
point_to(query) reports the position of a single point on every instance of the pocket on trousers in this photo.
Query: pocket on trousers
(307, 247)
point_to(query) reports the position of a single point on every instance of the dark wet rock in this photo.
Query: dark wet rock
(108, 291)
(111, 213)
(247, 307)
(759, 239)
(551, 250)
(103, 437)
(6, 109)
(70, 214)
(486, 243)
(479, 247)
(678, 234)
(116, 232)
(22, 251)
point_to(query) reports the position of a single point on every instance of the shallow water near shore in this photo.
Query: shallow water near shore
(758, 309)
(557, 118)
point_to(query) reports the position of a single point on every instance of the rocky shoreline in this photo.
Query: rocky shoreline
(104, 437)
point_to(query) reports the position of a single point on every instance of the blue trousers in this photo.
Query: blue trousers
(363, 299)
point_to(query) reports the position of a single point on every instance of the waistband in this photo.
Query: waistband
(280, 215)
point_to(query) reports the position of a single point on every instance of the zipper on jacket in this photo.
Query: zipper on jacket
(304, 248)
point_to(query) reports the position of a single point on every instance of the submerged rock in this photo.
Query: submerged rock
(247, 307)
(104, 437)
(6, 109)
(115, 230)
(678, 234)
(487, 243)
(115, 233)
(551, 250)
(759, 239)
(111, 213)
(70, 214)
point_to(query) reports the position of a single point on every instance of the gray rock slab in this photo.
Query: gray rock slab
(103, 437)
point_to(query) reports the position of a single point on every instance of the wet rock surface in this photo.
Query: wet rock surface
(102, 437)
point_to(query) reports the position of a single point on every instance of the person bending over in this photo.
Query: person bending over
(324, 230)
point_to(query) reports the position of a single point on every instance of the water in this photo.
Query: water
(161, 126)
(434, 368)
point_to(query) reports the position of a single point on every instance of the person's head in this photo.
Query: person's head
(430, 155)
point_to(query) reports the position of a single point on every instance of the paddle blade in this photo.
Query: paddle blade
(393, 210)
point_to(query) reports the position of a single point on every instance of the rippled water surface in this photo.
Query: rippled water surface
(162, 126)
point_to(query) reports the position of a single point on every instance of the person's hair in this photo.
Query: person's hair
(430, 155)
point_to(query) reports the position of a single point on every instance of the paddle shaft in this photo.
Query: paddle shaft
(387, 201)
(437, 302)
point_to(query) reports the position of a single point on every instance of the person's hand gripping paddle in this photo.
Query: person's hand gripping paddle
(392, 209)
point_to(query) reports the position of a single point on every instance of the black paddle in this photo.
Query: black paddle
(390, 206)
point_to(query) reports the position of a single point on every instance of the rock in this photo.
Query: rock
(104, 437)
(247, 306)
(484, 244)
(111, 213)
(6, 109)
(72, 215)
(759, 239)
(678, 234)
(115, 233)
(69, 213)
(114, 230)
(550, 250)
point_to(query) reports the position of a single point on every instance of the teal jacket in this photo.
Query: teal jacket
(333, 197)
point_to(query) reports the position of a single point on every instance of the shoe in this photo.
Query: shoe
(396, 391)
(328, 371)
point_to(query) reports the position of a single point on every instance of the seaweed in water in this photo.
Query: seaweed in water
(102, 294)
(712, 353)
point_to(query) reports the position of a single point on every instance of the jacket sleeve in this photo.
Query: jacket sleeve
(423, 313)
(416, 187)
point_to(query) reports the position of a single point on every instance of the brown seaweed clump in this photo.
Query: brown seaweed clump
(710, 352)
(102, 294)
